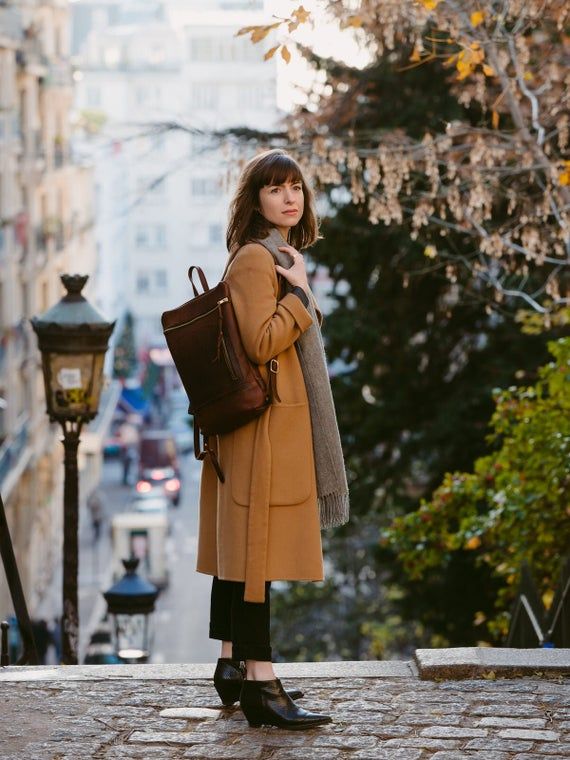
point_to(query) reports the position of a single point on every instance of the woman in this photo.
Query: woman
(263, 523)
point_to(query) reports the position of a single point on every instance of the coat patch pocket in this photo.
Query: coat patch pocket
(291, 457)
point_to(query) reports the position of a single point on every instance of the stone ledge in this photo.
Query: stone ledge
(484, 662)
(428, 664)
(204, 671)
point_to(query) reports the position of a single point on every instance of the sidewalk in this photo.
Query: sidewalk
(381, 711)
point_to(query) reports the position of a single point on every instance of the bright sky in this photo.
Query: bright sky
(324, 37)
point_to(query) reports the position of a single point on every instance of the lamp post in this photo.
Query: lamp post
(73, 338)
(130, 601)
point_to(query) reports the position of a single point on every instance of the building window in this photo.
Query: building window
(150, 236)
(205, 187)
(161, 279)
(215, 233)
(252, 96)
(204, 95)
(143, 282)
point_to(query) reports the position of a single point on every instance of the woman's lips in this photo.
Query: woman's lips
(294, 211)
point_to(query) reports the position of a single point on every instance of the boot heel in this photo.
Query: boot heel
(227, 680)
(228, 693)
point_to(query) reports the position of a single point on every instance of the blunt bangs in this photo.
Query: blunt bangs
(279, 170)
(246, 223)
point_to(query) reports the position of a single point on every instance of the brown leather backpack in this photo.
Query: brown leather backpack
(225, 389)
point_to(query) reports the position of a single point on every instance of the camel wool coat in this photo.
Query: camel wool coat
(263, 522)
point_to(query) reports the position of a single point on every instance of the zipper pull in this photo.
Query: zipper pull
(220, 332)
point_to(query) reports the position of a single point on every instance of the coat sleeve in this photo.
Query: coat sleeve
(267, 326)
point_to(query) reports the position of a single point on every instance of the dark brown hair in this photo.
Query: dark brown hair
(273, 167)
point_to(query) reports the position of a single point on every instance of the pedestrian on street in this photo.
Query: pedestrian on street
(95, 507)
(284, 471)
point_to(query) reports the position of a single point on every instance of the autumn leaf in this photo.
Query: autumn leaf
(495, 120)
(473, 543)
(260, 33)
(430, 5)
(430, 251)
(301, 14)
(353, 21)
(489, 71)
(564, 176)
(415, 56)
(476, 55)
(547, 598)
(285, 54)
(270, 53)
(464, 69)
(245, 30)
(477, 17)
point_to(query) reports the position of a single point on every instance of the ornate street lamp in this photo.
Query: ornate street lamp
(131, 601)
(73, 338)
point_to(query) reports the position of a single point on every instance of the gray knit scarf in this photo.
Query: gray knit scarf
(332, 486)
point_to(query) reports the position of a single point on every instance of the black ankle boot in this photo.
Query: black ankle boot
(267, 703)
(228, 678)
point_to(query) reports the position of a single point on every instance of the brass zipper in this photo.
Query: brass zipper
(184, 324)
(228, 360)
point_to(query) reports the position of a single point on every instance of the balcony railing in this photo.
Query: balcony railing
(12, 449)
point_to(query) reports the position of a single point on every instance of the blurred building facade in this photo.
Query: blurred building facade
(46, 229)
(160, 77)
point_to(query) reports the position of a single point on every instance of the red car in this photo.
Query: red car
(158, 464)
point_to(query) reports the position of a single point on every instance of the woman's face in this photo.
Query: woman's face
(282, 205)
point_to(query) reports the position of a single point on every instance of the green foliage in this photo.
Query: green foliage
(125, 355)
(514, 505)
(534, 323)
(422, 358)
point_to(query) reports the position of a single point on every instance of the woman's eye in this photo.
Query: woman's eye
(274, 190)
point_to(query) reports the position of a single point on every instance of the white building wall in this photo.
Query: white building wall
(192, 70)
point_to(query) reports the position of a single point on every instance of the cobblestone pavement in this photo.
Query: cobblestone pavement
(396, 717)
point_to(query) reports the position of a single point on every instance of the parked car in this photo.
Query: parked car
(158, 464)
(152, 502)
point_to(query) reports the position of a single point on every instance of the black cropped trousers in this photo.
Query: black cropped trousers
(245, 624)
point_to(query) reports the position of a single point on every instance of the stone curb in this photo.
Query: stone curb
(204, 671)
(490, 662)
(428, 664)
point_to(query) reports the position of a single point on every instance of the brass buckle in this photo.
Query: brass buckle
(274, 366)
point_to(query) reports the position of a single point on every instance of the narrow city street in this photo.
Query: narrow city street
(180, 623)
(183, 608)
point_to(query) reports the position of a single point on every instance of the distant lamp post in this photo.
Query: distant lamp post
(73, 338)
(131, 602)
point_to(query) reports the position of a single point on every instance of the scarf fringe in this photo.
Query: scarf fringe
(333, 510)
